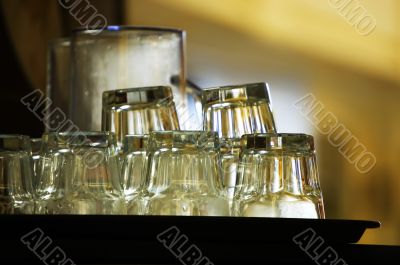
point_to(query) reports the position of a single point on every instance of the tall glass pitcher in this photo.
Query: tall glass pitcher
(121, 57)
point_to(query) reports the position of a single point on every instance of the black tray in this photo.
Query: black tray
(216, 229)
(224, 240)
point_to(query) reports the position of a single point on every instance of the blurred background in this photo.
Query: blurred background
(297, 46)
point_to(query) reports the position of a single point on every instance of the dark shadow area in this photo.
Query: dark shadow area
(14, 116)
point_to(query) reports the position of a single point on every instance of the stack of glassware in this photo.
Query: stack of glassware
(144, 151)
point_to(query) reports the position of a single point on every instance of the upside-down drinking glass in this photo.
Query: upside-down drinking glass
(121, 57)
(278, 177)
(134, 172)
(79, 174)
(16, 191)
(138, 111)
(183, 174)
(233, 111)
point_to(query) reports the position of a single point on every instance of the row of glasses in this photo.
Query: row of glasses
(79, 173)
(277, 176)
(74, 173)
(165, 173)
(233, 112)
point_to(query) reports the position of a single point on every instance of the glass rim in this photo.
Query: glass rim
(183, 132)
(229, 87)
(15, 142)
(137, 135)
(86, 133)
(278, 141)
(10, 136)
(259, 90)
(60, 42)
(146, 94)
(119, 28)
(80, 138)
(195, 138)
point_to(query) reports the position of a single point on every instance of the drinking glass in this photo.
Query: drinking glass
(121, 57)
(16, 191)
(183, 174)
(58, 78)
(138, 111)
(36, 144)
(134, 172)
(278, 177)
(233, 111)
(79, 174)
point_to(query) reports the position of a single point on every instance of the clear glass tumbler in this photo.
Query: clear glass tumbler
(134, 172)
(16, 174)
(183, 174)
(121, 57)
(138, 111)
(233, 111)
(278, 177)
(79, 174)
